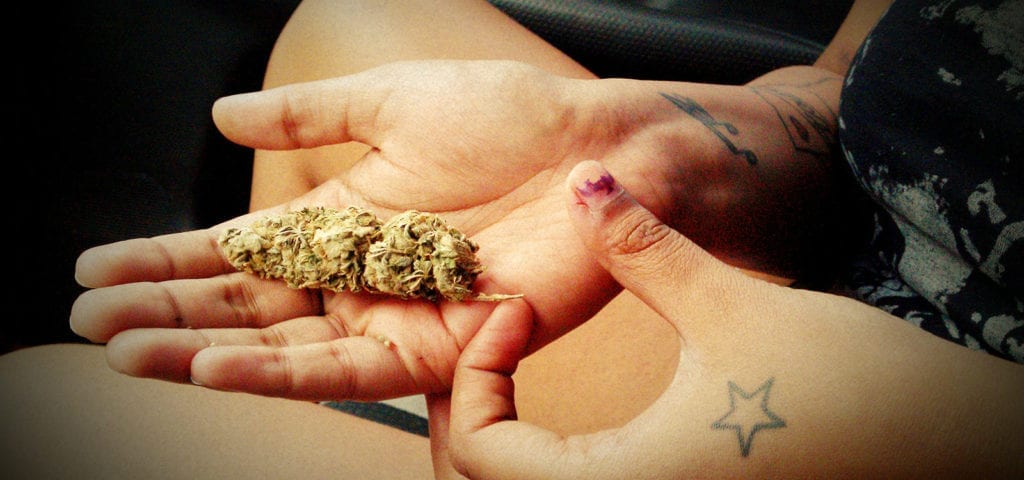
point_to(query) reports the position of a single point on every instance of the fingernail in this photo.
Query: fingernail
(593, 185)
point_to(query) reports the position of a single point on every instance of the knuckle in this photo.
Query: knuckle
(346, 377)
(242, 301)
(294, 113)
(286, 385)
(637, 237)
(169, 268)
(272, 337)
(175, 312)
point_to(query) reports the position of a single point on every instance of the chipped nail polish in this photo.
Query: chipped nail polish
(594, 186)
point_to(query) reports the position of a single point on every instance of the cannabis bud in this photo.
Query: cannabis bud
(418, 255)
(413, 255)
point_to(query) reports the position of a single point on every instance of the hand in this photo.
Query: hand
(485, 143)
(772, 381)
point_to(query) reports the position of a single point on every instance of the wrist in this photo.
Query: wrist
(719, 164)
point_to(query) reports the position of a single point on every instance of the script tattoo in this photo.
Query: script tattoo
(807, 118)
(693, 109)
(748, 414)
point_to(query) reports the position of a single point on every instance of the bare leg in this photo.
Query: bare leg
(66, 415)
(325, 39)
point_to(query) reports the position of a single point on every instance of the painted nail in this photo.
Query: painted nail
(593, 185)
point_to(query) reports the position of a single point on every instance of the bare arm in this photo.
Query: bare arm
(772, 209)
(785, 120)
(771, 381)
(863, 16)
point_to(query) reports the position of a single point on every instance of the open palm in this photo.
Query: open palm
(486, 144)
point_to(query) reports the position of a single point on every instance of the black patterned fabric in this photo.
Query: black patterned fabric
(932, 125)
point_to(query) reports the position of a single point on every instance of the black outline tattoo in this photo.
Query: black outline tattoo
(809, 122)
(747, 439)
(803, 113)
(693, 109)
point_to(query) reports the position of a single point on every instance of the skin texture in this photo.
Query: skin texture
(783, 405)
(490, 145)
(314, 341)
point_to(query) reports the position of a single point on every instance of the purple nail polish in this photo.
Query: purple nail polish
(603, 186)
(594, 186)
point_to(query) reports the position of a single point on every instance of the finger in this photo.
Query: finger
(438, 416)
(167, 354)
(301, 115)
(234, 300)
(193, 254)
(353, 368)
(485, 439)
(183, 255)
(485, 368)
(663, 268)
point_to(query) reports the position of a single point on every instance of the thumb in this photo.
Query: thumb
(666, 270)
(485, 440)
(302, 115)
(439, 416)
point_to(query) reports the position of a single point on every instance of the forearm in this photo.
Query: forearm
(745, 171)
(757, 212)
(770, 381)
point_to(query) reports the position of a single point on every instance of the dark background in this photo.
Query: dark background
(112, 116)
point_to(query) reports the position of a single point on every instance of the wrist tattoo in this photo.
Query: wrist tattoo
(806, 117)
(693, 109)
(748, 414)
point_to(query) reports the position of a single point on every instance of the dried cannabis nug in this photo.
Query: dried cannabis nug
(413, 255)
(309, 248)
(421, 256)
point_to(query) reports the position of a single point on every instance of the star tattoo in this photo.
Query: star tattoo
(748, 414)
